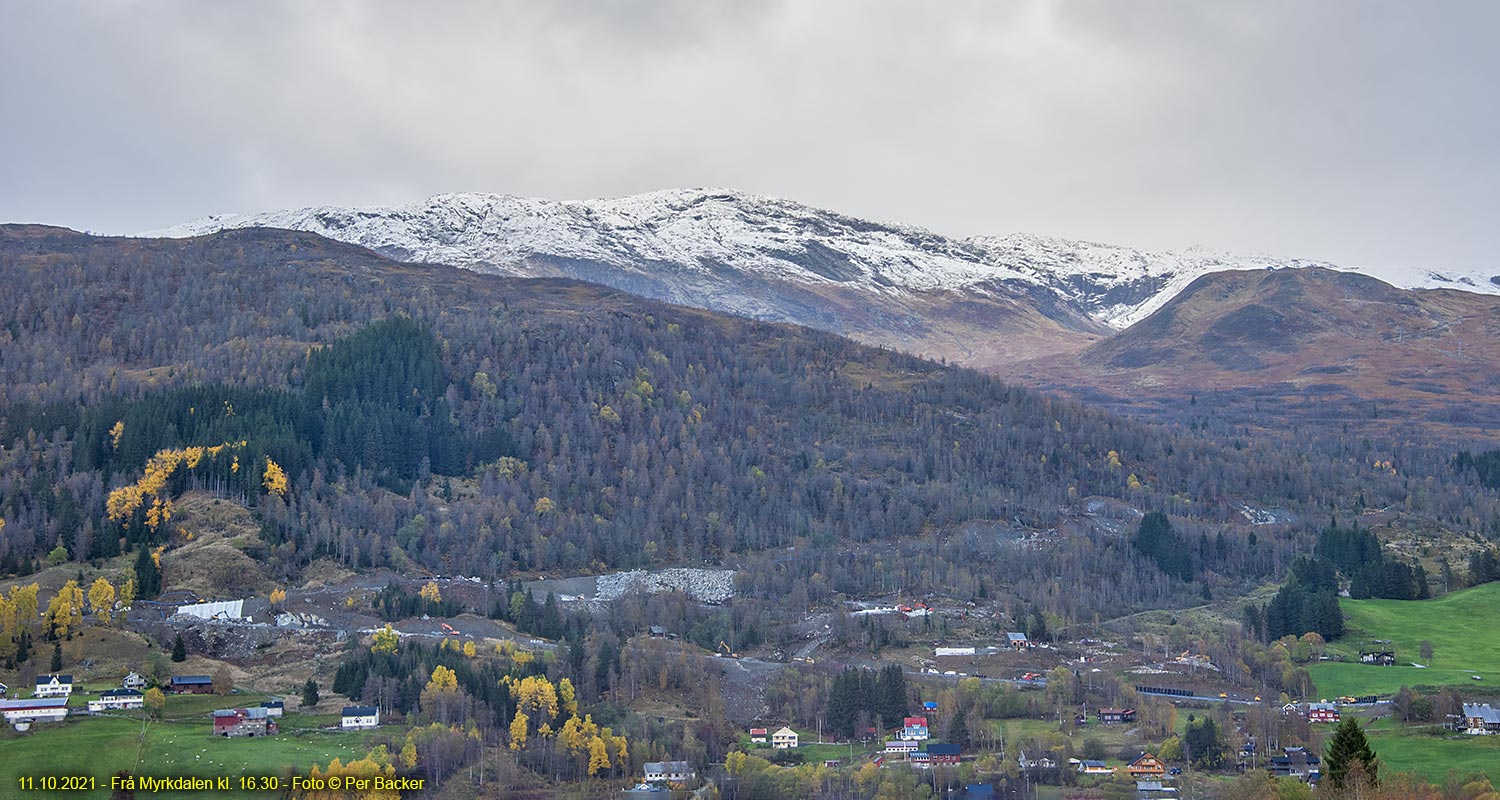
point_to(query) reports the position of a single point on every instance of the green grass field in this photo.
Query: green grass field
(1460, 626)
(1404, 749)
(101, 746)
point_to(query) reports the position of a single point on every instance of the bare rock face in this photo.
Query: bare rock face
(703, 585)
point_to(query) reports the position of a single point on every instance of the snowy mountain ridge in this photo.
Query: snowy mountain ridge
(720, 249)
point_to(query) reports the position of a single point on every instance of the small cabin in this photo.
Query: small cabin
(1116, 716)
(758, 735)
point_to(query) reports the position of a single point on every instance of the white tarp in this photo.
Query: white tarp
(954, 651)
(225, 609)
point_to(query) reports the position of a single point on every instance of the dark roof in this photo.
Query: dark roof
(359, 711)
(120, 693)
(191, 680)
(41, 679)
(273, 704)
(979, 791)
(943, 749)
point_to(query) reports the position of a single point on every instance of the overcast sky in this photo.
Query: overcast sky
(1357, 132)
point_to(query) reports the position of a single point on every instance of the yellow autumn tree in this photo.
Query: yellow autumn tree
(430, 593)
(25, 600)
(442, 699)
(155, 701)
(278, 596)
(536, 695)
(102, 599)
(470, 650)
(518, 728)
(375, 764)
(274, 479)
(568, 697)
(124, 501)
(443, 680)
(409, 754)
(65, 611)
(386, 640)
(598, 756)
(116, 432)
(127, 592)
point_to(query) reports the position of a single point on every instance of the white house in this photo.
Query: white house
(901, 746)
(53, 686)
(21, 713)
(116, 699)
(784, 739)
(670, 771)
(274, 708)
(361, 717)
(758, 735)
(134, 680)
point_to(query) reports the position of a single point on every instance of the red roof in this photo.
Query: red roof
(910, 721)
(757, 731)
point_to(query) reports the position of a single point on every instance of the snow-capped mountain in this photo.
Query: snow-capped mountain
(775, 259)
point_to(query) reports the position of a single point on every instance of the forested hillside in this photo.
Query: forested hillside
(492, 426)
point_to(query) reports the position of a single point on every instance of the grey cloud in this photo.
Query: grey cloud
(1350, 131)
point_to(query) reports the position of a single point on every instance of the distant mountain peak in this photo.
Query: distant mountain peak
(777, 259)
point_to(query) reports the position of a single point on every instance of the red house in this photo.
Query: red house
(1322, 712)
(944, 753)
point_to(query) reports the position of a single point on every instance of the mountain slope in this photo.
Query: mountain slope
(983, 302)
(1326, 339)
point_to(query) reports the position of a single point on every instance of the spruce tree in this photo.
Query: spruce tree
(310, 693)
(179, 650)
(1348, 746)
(56, 657)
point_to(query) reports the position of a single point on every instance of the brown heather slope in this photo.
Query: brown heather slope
(1327, 344)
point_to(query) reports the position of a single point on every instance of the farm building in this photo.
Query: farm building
(901, 746)
(274, 708)
(21, 713)
(360, 717)
(117, 699)
(1380, 658)
(53, 686)
(192, 684)
(669, 771)
(1017, 641)
(1481, 718)
(784, 739)
(243, 722)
